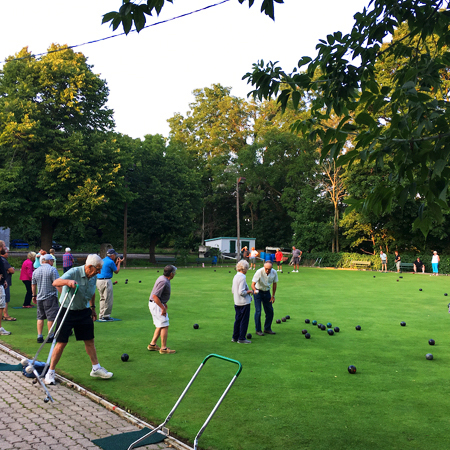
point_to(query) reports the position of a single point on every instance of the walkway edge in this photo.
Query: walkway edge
(109, 406)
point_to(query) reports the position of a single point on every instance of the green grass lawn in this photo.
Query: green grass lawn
(293, 393)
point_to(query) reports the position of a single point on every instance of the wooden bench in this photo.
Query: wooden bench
(360, 264)
(165, 260)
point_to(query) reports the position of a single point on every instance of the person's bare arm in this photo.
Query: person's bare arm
(60, 282)
(118, 262)
(160, 304)
(92, 306)
(274, 289)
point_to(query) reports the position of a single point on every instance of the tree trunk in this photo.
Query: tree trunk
(336, 227)
(48, 225)
(151, 250)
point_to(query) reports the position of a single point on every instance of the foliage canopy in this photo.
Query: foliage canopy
(414, 139)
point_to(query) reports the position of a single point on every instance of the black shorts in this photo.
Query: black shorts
(80, 321)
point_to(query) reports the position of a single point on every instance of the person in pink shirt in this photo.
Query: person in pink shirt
(26, 273)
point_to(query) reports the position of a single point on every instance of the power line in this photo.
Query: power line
(117, 35)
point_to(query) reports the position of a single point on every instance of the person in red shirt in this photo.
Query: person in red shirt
(279, 260)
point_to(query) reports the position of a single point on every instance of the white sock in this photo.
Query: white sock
(96, 366)
(51, 372)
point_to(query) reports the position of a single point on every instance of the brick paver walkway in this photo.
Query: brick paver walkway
(71, 422)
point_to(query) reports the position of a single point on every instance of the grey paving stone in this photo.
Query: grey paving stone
(70, 423)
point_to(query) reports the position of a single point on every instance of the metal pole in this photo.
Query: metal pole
(125, 234)
(238, 250)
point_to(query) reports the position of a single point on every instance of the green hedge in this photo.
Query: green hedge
(343, 260)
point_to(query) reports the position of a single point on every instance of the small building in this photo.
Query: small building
(228, 244)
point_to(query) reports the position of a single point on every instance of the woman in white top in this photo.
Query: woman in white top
(435, 262)
(253, 255)
(242, 300)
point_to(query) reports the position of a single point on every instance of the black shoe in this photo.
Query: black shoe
(260, 333)
(40, 340)
(50, 339)
(269, 332)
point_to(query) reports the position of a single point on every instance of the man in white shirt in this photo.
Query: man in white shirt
(383, 257)
(261, 282)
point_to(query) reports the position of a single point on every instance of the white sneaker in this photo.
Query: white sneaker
(101, 373)
(50, 379)
(3, 332)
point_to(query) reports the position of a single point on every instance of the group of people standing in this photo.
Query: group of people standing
(6, 272)
(418, 265)
(264, 279)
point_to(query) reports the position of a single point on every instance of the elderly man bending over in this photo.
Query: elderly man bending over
(262, 280)
(81, 315)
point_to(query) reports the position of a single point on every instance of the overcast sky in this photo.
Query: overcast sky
(151, 75)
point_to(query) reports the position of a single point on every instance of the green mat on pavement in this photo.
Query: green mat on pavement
(124, 440)
(10, 367)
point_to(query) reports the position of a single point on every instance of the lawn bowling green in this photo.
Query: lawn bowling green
(396, 399)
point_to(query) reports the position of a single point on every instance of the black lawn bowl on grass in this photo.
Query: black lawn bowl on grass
(196, 327)
(329, 325)
(314, 322)
(351, 369)
(403, 324)
(288, 317)
(429, 356)
(249, 335)
(420, 289)
(336, 329)
(330, 332)
(283, 319)
(323, 327)
(304, 331)
(125, 357)
(445, 295)
(307, 336)
(431, 342)
(400, 277)
(358, 327)
(383, 421)
(307, 321)
(278, 321)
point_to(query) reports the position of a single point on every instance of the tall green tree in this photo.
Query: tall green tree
(344, 75)
(58, 159)
(167, 192)
(214, 131)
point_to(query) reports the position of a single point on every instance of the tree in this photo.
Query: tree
(168, 198)
(335, 190)
(344, 75)
(214, 131)
(135, 13)
(58, 160)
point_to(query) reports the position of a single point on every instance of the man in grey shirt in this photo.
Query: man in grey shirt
(47, 295)
(158, 308)
(296, 254)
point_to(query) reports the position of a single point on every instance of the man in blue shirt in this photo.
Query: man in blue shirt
(80, 317)
(105, 286)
